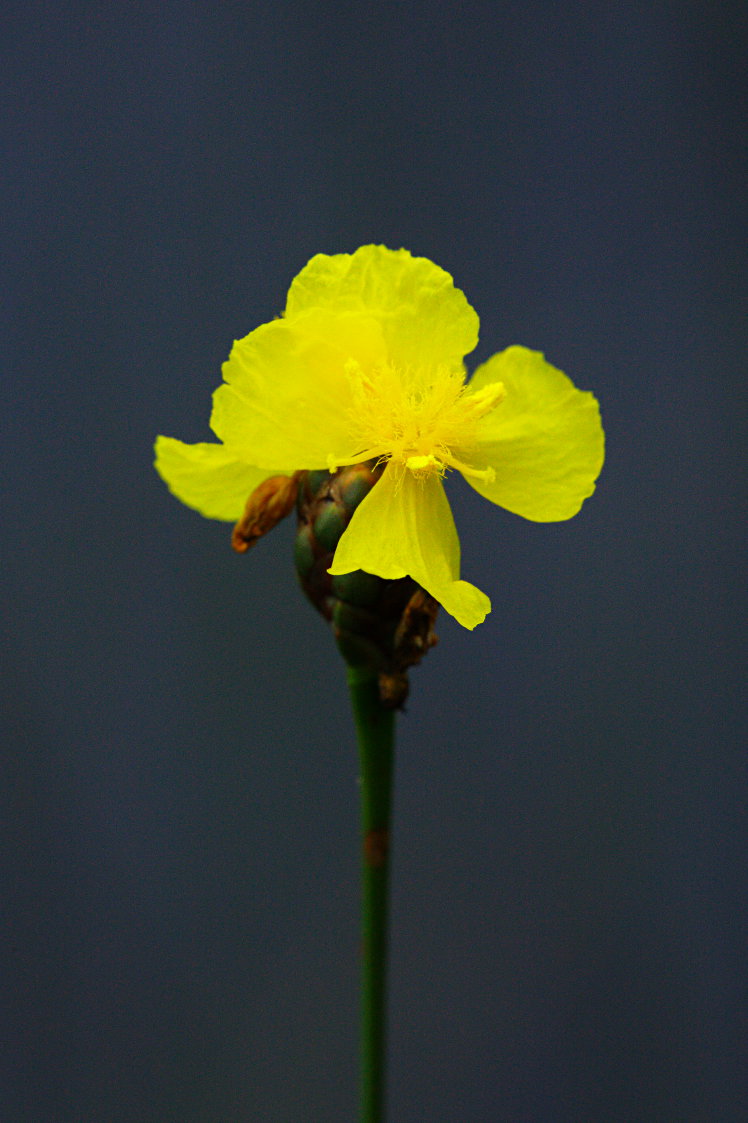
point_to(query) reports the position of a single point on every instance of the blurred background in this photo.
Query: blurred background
(179, 867)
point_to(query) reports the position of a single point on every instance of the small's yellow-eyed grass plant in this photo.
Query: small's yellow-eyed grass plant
(353, 406)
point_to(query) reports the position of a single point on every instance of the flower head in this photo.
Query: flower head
(367, 364)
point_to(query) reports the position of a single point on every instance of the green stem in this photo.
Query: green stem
(375, 727)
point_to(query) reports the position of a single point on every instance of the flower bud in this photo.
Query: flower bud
(379, 625)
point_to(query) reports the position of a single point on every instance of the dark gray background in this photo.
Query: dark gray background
(179, 879)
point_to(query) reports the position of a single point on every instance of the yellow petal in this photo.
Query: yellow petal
(544, 441)
(208, 477)
(405, 526)
(286, 398)
(426, 321)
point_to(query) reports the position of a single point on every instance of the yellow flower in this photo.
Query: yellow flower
(367, 363)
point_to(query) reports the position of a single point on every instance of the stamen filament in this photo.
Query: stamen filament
(487, 474)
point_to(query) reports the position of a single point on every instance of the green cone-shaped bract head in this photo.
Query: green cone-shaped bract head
(383, 626)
